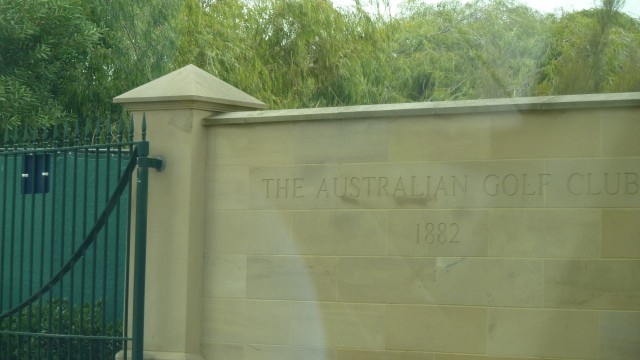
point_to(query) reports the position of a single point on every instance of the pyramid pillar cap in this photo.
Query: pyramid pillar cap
(188, 88)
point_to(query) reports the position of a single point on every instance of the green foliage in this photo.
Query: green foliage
(290, 53)
(593, 51)
(66, 59)
(484, 49)
(45, 45)
(305, 53)
(60, 317)
(138, 44)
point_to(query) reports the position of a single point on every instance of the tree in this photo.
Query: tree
(481, 49)
(45, 48)
(64, 60)
(138, 44)
(291, 53)
(593, 51)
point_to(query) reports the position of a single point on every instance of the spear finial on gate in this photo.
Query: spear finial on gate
(54, 141)
(45, 135)
(87, 133)
(34, 140)
(144, 126)
(25, 138)
(109, 131)
(97, 137)
(120, 128)
(15, 139)
(76, 134)
(65, 139)
(131, 127)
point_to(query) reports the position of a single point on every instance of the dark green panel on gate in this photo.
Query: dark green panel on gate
(52, 229)
(65, 240)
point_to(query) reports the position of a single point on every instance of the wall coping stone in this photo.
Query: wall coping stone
(563, 102)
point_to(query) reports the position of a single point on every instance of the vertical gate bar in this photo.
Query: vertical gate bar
(140, 246)
(128, 247)
(13, 223)
(96, 196)
(42, 224)
(65, 143)
(32, 191)
(13, 231)
(53, 186)
(22, 236)
(44, 317)
(32, 251)
(95, 199)
(74, 204)
(42, 154)
(5, 162)
(118, 238)
(105, 250)
(94, 287)
(83, 270)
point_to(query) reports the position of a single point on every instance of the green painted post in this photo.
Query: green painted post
(140, 245)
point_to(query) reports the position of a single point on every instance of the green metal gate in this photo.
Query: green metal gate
(65, 244)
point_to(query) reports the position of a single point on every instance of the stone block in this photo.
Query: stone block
(342, 232)
(620, 132)
(245, 321)
(248, 232)
(491, 184)
(270, 352)
(386, 280)
(440, 138)
(224, 276)
(338, 325)
(595, 183)
(479, 357)
(489, 282)
(592, 284)
(436, 328)
(341, 141)
(222, 351)
(621, 234)
(389, 186)
(544, 233)
(227, 187)
(292, 187)
(383, 355)
(543, 333)
(265, 144)
(620, 334)
(546, 134)
(438, 233)
(292, 278)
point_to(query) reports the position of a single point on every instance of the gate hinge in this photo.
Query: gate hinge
(157, 163)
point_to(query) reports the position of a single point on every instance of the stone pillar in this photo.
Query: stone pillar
(175, 105)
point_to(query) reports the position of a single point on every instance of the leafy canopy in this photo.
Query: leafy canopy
(45, 47)
(64, 60)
